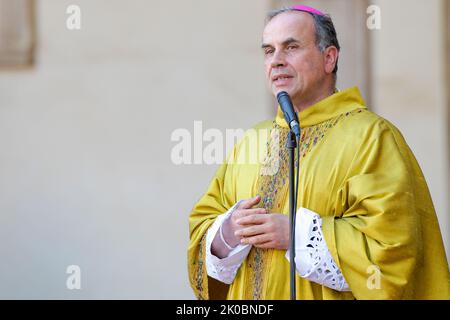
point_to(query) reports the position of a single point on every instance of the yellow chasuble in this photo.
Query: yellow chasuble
(359, 175)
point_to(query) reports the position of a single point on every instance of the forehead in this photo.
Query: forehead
(291, 24)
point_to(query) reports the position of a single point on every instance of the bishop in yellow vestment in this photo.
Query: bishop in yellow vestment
(356, 172)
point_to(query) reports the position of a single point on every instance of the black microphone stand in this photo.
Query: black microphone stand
(291, 144)
(293, 141)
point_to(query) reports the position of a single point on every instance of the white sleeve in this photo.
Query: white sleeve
(313, 260)
(224, 269)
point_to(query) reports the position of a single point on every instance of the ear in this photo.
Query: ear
(330, 56)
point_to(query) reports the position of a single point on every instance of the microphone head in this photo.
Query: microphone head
(289, 113)
(281, 94)
(286, 105)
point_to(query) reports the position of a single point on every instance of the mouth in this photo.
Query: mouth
(281, 79)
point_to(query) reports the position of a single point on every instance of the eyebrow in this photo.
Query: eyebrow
(284, 43)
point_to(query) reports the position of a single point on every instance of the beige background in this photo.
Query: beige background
(85, 171)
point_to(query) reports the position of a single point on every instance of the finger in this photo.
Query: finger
(247, 204)
(252, 219)
(257, 240)
(250, 231)
(266, 245)
(247, 212)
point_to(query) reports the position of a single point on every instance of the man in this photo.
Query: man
(366, 226)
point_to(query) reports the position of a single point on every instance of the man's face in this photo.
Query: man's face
(293, 63)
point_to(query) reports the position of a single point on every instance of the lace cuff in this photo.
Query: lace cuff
(224, 269)
(312, 258)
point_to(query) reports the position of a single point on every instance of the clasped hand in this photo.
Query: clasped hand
(255, 226)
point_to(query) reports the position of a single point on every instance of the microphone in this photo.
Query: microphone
(288, 110)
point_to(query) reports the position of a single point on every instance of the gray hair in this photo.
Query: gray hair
(325, 31)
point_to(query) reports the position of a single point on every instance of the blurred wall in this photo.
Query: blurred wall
(86, 176)
(85, 167)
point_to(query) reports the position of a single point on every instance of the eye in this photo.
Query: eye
(292, 47)
(268, 51)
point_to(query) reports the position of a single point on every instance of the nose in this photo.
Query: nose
(278, 59)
